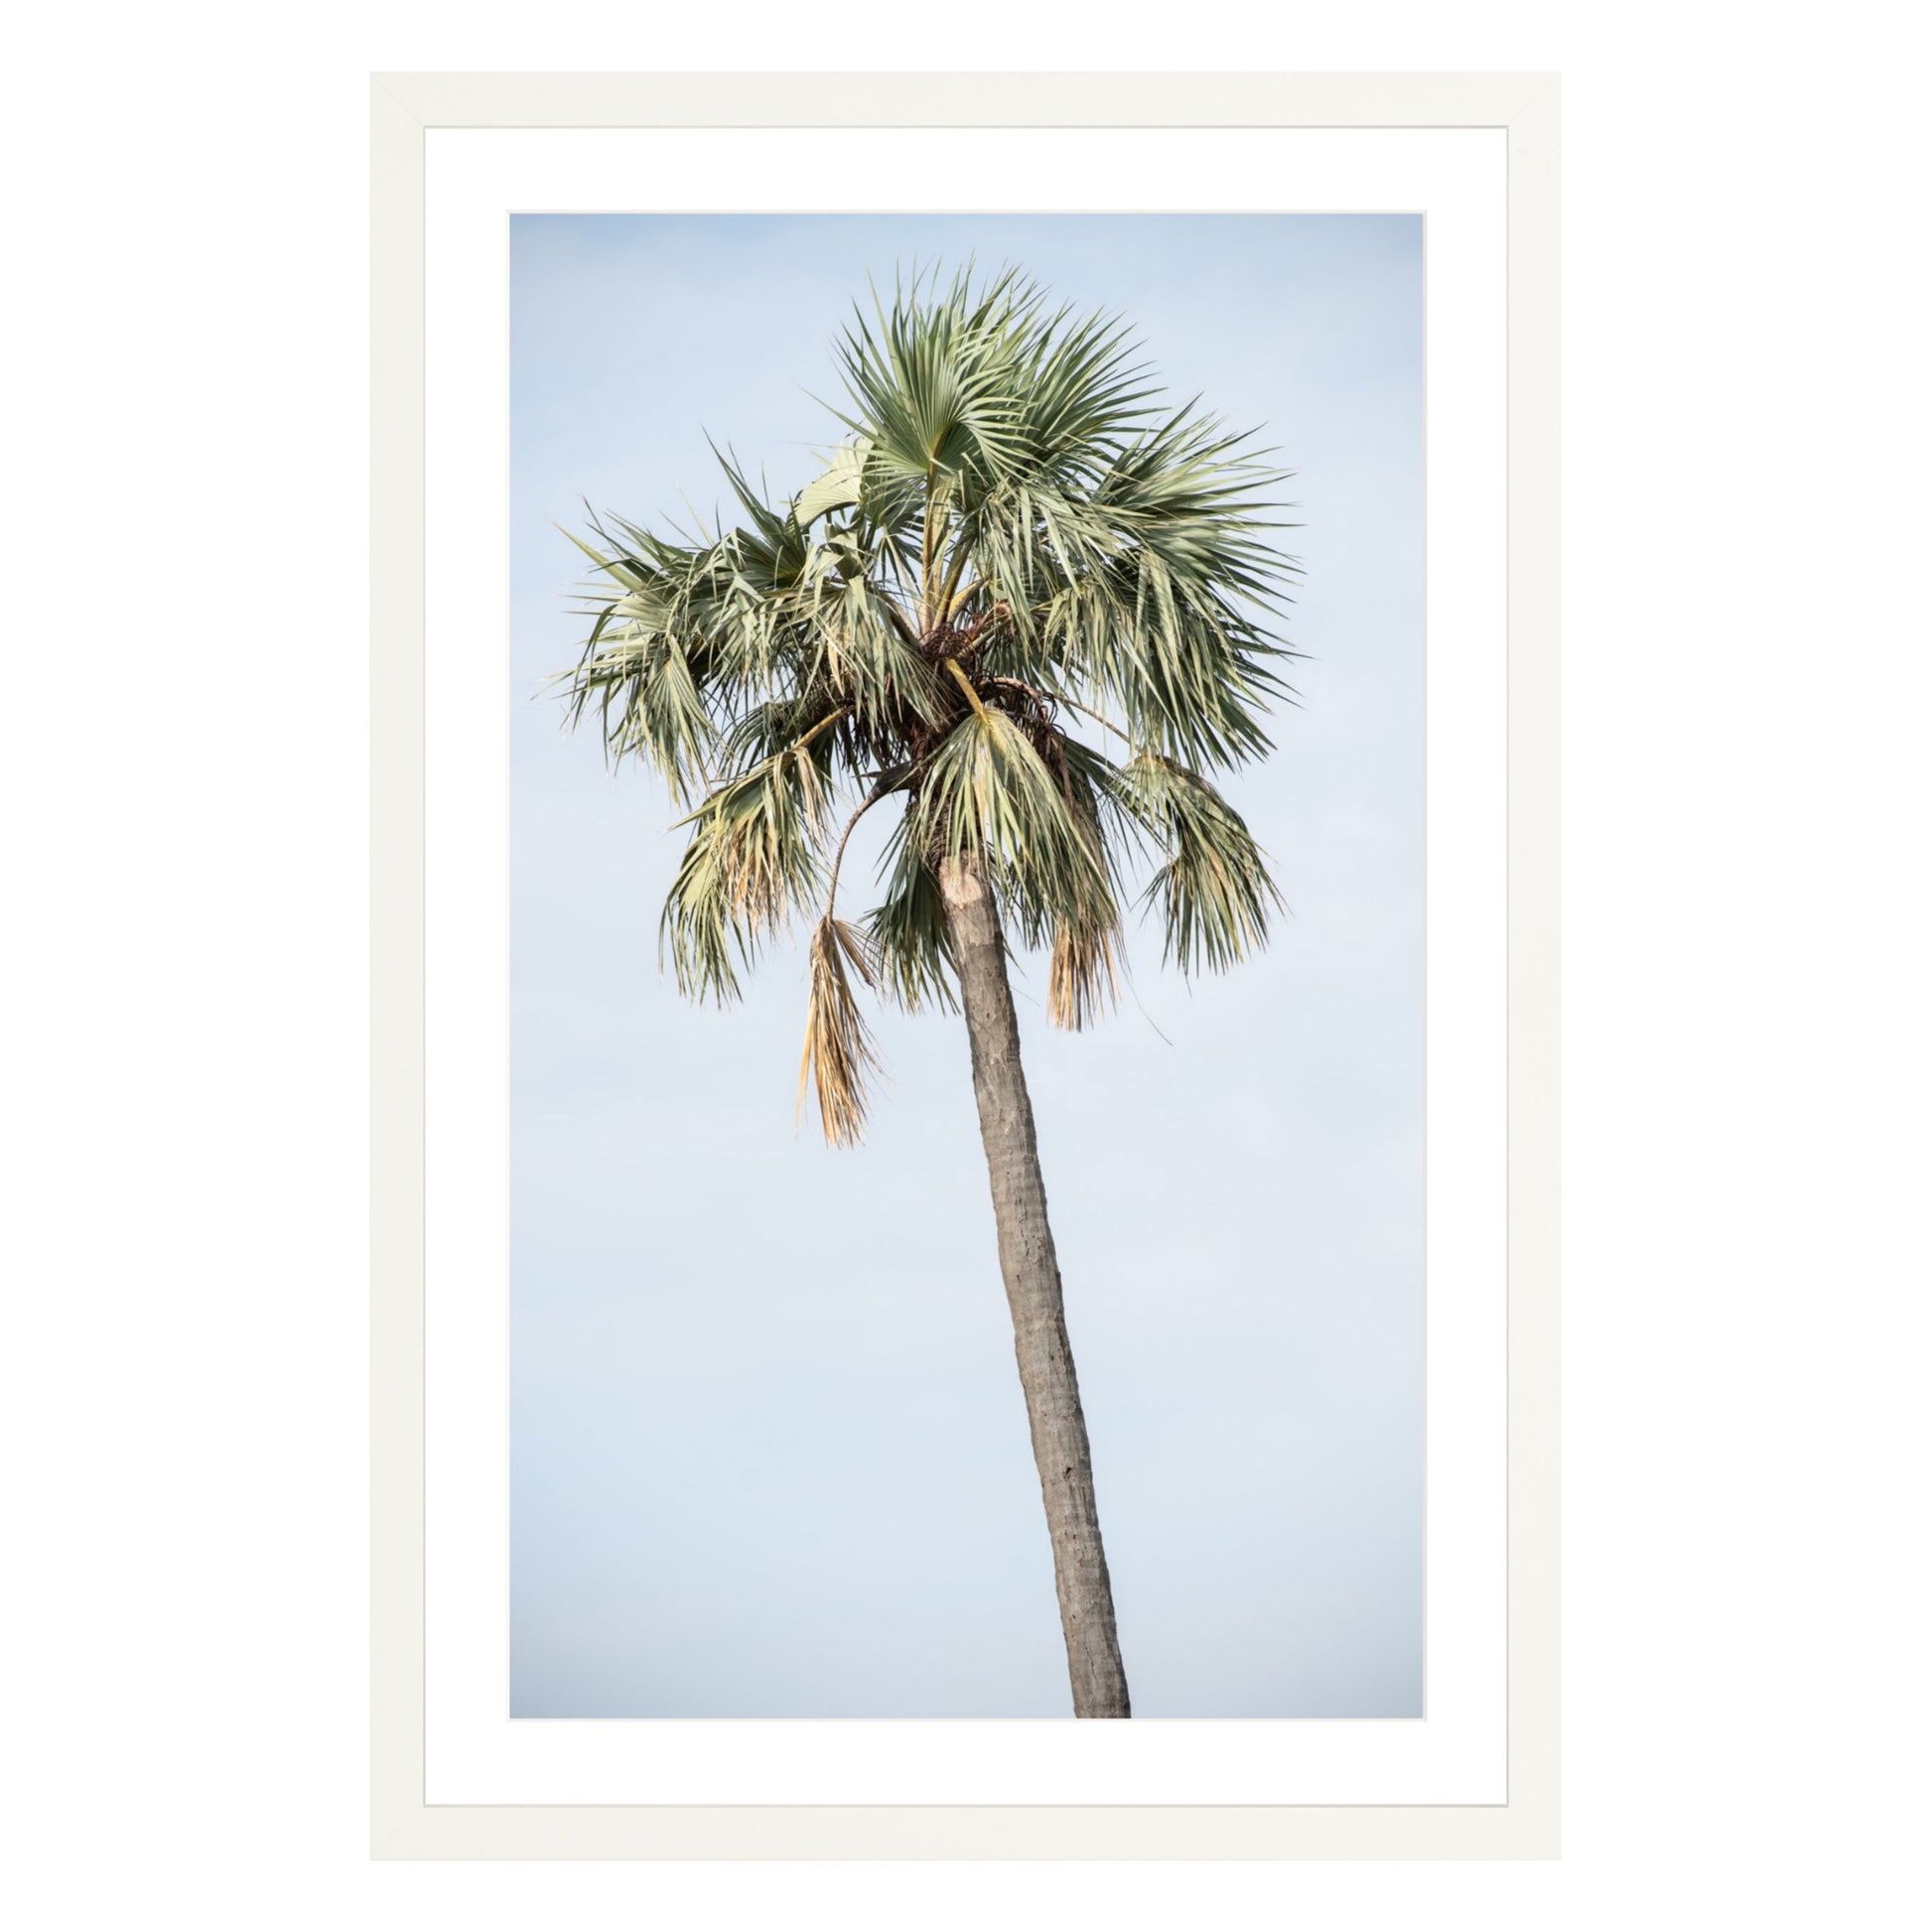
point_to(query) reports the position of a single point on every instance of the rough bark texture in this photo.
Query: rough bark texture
(1032, 1281)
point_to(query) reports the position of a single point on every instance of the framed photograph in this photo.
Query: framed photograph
(965, 781)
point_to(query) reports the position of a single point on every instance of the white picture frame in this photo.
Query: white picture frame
(406, 1824)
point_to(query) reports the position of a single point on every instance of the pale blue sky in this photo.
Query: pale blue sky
(769, 1453)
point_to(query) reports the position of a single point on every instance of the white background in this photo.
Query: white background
(474, 1753)
(1747, 1068)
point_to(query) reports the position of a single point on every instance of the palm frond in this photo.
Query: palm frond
(988, 793)
(1081, 986)
(1080, 983)
(637, 667)
(837, 489)
(908, 932)
(839, 1057)
(752, 856)
(1215, 892)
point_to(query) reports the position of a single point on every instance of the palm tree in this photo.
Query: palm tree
(1015, 540)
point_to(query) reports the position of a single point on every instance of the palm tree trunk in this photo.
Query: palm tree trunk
(1033, 1280)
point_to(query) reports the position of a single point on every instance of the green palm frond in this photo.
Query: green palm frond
(752, 856)
(1081, 983)
(1214, 893)
(1014, 536)
(838, 488)
(988, 793)
(910, 943)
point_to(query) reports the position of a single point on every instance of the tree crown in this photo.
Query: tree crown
(1028, 600)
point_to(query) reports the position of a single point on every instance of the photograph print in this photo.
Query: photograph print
(965, 705)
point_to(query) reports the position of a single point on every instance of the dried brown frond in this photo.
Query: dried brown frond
(839, 1052)
(1080, 982)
